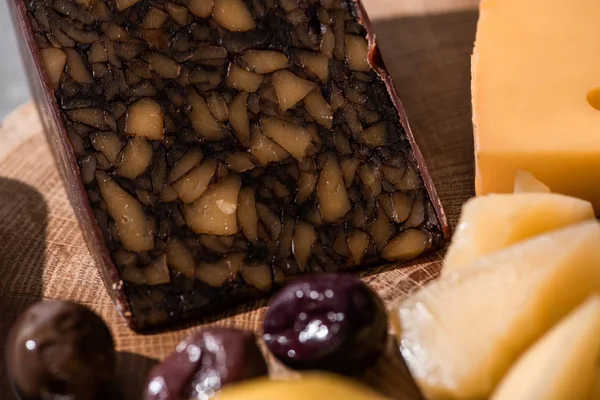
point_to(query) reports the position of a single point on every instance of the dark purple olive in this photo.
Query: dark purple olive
(331, 322)
(204, 362)
(60, 350)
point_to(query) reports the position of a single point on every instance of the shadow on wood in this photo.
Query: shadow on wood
(429, 58)
(23, 223)
(131, 375)
(392, 377)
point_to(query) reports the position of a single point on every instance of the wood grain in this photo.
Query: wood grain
(426, 45)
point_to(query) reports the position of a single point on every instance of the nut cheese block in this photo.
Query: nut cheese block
(216, 148)
(535, 80)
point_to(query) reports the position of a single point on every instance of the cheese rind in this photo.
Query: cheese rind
(533, 65)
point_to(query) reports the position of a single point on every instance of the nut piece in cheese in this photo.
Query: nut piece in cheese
(311, 386)
(493, 222)
(516, 295)
(215, 211)
(562, 364)
(534, 92)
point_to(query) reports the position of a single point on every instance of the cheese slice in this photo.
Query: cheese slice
(563, 364)
(460, 334)
(493, 222)
(535, 71)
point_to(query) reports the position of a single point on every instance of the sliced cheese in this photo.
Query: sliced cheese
(493, 222)
(563, 364)
(460, 334)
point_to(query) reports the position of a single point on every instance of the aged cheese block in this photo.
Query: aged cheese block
(536, 95)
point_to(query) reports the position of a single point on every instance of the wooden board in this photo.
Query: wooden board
(427, 46)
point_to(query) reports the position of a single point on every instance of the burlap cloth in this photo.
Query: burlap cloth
(427, 46)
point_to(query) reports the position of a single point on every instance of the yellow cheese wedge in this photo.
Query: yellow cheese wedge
(460, 334)
(563, 364)
(312, 386)
(535, 71)
(525, 182)
(493, 222)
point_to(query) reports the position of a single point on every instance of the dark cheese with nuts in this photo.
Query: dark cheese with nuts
(214, 148)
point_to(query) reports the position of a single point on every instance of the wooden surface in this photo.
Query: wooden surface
(427, 46)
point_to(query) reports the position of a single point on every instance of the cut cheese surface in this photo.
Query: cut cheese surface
(527, 183)
(460, 334)
(533, 66)
(562, 364)
(493, 222)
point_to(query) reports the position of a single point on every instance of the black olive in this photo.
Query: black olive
(204, 362)
(60, 350)
(330, 322)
